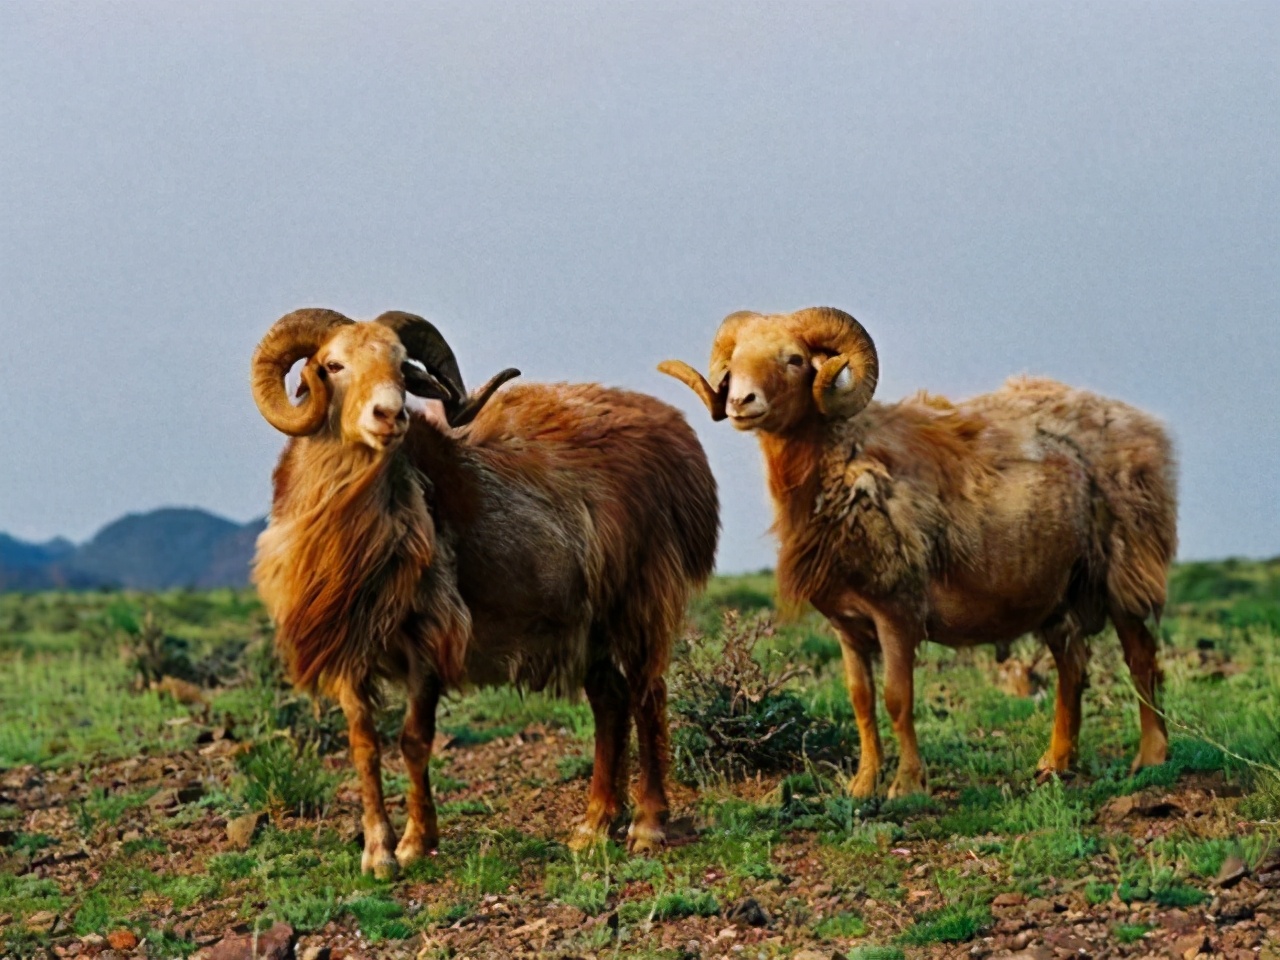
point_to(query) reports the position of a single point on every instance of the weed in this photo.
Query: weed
(485, 872)
(841, 926)
(380, 918)
(951, 924)
(1130, 932)
(281, 778)
(689, 902)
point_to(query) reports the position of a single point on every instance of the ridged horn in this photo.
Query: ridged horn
(424, 343)
(845, 383)
(292, 337)
(713, 393)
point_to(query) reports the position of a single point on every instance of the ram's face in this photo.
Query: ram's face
(770, 375)
(361, 364)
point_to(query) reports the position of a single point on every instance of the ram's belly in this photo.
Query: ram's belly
(540, 655)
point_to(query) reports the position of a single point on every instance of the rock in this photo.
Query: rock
(42, 922)
(1188, 947)
(1235, 913)
(749, 913)
(241, 830)
(163, 799)
(273, 944)
(314, 952)
(92, 940)
(1233, 871)
(1008, 900)
(191, 792)
(122, 939)
(181, 690)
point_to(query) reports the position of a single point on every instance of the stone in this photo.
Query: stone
(315, 952)
(749, 913)
(1233, 871)
(122, 939)
(275, 943)
(42, 922)
(241, 830)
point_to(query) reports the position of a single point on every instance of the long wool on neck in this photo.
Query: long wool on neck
(343, 565)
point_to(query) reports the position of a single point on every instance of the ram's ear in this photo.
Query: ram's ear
(422, 384)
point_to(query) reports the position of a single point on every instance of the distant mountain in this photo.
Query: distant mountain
(173, 547)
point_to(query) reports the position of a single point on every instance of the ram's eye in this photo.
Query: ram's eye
(333, 366)
(796, 360)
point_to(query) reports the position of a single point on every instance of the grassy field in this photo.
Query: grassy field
(134, 728)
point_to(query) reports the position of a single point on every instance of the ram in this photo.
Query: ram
(1034, 509)
(549, 536)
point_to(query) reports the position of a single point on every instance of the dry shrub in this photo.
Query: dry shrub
(733, 717)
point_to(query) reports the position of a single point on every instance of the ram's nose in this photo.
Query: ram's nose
(744, 405)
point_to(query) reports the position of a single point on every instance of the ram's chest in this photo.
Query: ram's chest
(275, 556)
(863, 529)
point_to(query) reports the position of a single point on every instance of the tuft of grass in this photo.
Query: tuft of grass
(1130, 932)
(689, 902)
(380, 918)
(952, 924)
(280, 778)
(840, 926)
(484, 872)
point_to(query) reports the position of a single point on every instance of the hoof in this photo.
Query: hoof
(906, 784)
(863, 786)
(383, 869)
(1050, 766)
(585, 837)
(411, 851)
(1149, 757)
(643, 838)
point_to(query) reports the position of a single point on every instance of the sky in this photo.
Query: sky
(582, 190)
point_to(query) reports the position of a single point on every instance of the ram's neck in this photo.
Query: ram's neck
(792, 463)
(349, 537)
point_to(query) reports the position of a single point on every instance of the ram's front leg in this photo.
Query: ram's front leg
(421, 833)
(898, 642)
(379, 838)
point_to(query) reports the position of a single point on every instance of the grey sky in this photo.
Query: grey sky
(1086, 191)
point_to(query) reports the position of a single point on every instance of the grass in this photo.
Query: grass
(870, 878)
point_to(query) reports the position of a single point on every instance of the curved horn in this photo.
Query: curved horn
(424, 343)
(723, 345)
(463, 414)
(712, 393)
(292, 337)
(696, 382)
(845, 383)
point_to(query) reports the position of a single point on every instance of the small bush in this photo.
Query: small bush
(280, 779)
(731, 716)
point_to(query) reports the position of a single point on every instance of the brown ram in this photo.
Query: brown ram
(1037, 508)
(552, 544)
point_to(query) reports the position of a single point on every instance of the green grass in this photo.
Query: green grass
(70, 704)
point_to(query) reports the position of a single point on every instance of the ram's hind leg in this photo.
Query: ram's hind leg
(1140, 654)
(610, 700)
(421, 833)
(648, 824)
(1071, 656)
(379, 838)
